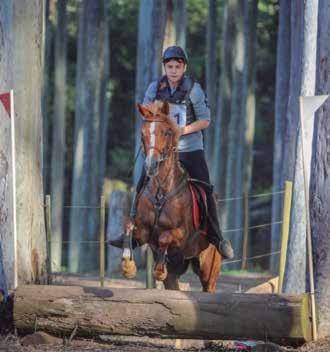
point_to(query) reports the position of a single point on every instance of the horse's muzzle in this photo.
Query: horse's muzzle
(151, 165)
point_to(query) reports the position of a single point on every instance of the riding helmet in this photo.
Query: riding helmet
(174, 52)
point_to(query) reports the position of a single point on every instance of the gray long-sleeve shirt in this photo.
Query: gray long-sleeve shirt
(192, 141)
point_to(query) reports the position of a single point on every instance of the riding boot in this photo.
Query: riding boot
(119, 242)
(214, 234)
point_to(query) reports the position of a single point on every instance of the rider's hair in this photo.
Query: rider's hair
(181, 61)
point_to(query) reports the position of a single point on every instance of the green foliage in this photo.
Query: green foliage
(196, 37)
(257, 269)
(122, 163)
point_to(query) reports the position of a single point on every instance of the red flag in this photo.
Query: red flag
(5, 100)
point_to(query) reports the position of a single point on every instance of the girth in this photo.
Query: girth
(159, 202)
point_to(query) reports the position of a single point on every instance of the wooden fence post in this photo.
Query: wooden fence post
(246, 230)
(285, 232)
(102, 240)
(150, 281)
(49, 237)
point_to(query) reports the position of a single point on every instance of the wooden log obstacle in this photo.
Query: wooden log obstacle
(91, 312)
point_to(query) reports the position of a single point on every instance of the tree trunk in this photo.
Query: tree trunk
(249, 99)
(58, 131)
(47, 98)
(292, 116)
(7, 230)
(58, 310)
(211, 73)
(295, 274)
(244, 144)
(235, 126)
(223, 104)
(7, 265)
(104, 102)
(25, 21)
(281, 102)
(180, 22)
(152, 21)
(169, 35)
(176, 23)
(86, 188)
(320, 181)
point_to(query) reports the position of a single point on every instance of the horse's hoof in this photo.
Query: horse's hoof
(128, 268)
(160, 274)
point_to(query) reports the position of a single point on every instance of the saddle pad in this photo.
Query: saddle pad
(198, 195)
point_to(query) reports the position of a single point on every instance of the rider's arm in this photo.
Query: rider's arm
(201, 109)
(150, 93)
(195, 126)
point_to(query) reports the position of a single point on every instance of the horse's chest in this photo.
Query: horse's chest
(166, 216)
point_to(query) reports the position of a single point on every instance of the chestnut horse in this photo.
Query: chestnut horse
(164, 210)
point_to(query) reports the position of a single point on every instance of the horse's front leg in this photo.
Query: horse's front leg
(141, 235)
(166, 239)
(171, 282)
(160, 269)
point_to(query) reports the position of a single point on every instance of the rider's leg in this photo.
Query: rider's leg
(118, 242)
(136, 194)
(197, 168)
(214, 233)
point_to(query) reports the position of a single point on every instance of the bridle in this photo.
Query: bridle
(164, 154)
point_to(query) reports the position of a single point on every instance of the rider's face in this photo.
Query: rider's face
(174, 70)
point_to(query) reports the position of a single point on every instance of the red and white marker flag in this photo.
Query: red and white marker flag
(8, 233)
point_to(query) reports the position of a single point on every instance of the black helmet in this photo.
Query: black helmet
(174, 52)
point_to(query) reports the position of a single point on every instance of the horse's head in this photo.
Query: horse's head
(160, 134)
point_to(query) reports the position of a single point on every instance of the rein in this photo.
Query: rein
(130, 171)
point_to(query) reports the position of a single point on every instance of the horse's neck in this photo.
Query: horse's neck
(169, 176)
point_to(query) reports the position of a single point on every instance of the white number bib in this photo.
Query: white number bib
(178, 113)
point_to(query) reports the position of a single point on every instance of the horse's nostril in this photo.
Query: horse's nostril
(151, 166)
(152, 172)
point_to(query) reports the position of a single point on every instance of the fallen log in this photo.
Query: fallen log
(91, 312)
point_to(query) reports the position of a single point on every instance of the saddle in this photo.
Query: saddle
(199, 206)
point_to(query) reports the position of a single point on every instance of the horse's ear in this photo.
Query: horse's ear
(165, 108)
(145, 112)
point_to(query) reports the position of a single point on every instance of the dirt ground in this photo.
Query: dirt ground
(35, 343)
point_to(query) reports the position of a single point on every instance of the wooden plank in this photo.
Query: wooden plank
(102, 240)
(169, 314)
(270, 286)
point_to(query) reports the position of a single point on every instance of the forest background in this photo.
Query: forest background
(202, 33)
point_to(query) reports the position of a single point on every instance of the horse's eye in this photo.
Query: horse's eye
(168, 133)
